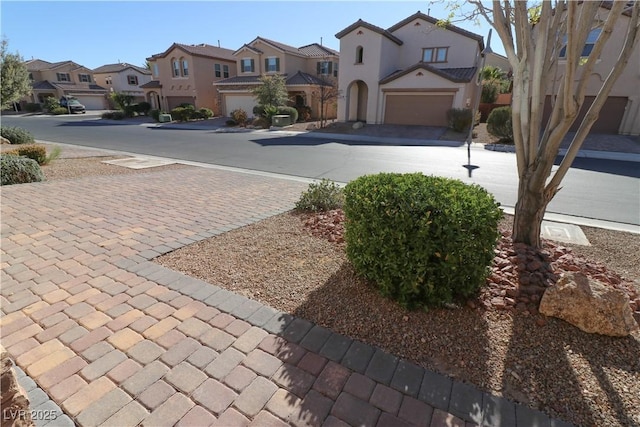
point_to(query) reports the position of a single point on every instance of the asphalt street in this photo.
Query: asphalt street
(606, 190)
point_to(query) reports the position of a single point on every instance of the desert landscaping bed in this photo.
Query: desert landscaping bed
(508, 349)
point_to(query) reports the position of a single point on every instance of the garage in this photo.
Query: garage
(609, 119)
(92, 102)
(417, 109)
(245, 102)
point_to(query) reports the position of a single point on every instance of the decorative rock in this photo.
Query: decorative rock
(589, 305)
(15, 404)
(4, 140)
(358, 125)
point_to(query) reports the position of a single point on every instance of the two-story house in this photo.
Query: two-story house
(64, 78)
(184, 74)
(123, 78)
(408, 74)
(306, 70)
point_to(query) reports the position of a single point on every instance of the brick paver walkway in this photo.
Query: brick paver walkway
(117, 340)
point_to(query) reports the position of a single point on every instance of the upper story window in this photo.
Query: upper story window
(84, 78)
(359, 54)
(335, 69)
(108, 80)
(218, 70)
(272, 65)
(247, 65)
(31, 76)
(185, 68)
(155, 69)
(325, 68)
(588, 45)
(63, 77)
(176, 67)
(132, 80)
(225, 71)
(435, 54)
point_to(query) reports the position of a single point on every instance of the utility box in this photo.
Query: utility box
(164, 118)
(281, 120)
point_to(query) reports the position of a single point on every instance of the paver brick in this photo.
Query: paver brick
(82, 296)
(221, 321)
(332, 421)
(73, 334)
(331, 380)
(202, 357)
(7, 319)
(185, 377)
(97, 350)
(160, 328)
(253, 398)
(388, 420)
(100, 410)
(16, 325)
(118, 310)
(61, 372)
(197, 416)
(113, 301)
(90, 339)
(49, 311)
(312, 411)
(262, 363)
(497, 411)
(21, 335)
(124, 320)
(214, 395)
(407, 378)
(170, 412)
(387, 399)
(156, 394)
(261, 316)
(283, 403)
(49, 362)
(315, 339)
(100, 367)
(217, 339)
(239, 378)
(79, 310)
(123, 371)
(130, 415)
(245, 309)
(530, 417)
(145, 351)
(207, 313)
(231, 418)
(358, 356)
(170, 338)
(442, 418)
(189, 310)
(142, 379)
(382, 366)
(360, 386)
(435, 390)
(22, 346)
(160, 310)
(237, 327)
(194, 327)
(224, 363)
(415, 412)
(335, 347)
(355, 411)
(141, 301)
(124, 339)
(143, 323)
(312, 363)
(296, 330)
(94, 320)
(179, 302)
(293, 379)
(180, 351)
(250, 339)
(56, 296)
(65, 388)
(465, 402)
(55, 330)
(78, 401)
(265, 419)
(39, 352)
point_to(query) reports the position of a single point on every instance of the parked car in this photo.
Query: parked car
(72, 104)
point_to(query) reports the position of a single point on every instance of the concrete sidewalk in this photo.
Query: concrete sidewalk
(111, 338)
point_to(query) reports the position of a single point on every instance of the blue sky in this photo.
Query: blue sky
(94, 33)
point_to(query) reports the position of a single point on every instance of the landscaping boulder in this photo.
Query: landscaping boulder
(15, 405)
(589, 305)
(4, 140)
(358, 125)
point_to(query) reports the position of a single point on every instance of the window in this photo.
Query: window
(272, 65)
(588, 46)
(335, 69)
(176, 68)
(325, 68)
(225, 71)
(247, 65)
(84, 78)
(217, 70)
(63, 77)
(155, 70)
(31, 76)
(359, 54)
(132, 80)
(185, 68)
(435, 54)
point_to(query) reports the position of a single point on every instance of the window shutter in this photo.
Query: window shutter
(266, 65)
(277, 64)
(330, 68)
(319, 68)
(253, 66)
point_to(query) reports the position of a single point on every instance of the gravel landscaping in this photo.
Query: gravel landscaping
(584, 379)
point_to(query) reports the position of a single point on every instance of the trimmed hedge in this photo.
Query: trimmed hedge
(19, 170)
(499, 124)
(290, 111)
(16, 135)
(423, 240)
(32, 151)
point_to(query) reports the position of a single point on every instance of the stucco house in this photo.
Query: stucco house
(408, 74)
(123, 78)
(186, 73)
(306, 69)
(621, 111)
(57, 79)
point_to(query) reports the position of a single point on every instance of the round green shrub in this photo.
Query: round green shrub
(205, 113)
(57, 111)
(182, 114)
(290, 111)
(143, 108)
(19, 170)
(459, 119)
(499, 124)
(16, 135)
(31, 151)
(50, 103)
(155, 115)
(489, 93)
(422, 240)
(32, 107)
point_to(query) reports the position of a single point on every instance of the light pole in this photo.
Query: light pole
(476, 103)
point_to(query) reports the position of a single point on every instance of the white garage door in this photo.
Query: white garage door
(245, 102)
(92, 102)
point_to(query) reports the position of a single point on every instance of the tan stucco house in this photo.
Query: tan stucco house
(64, 78)
(306, 69)
(123, 78)
(186, 73)
(621, 111)
(409, 74)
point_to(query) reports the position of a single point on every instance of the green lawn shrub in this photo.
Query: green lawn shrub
(205, 113)
(239, 116)
(422, 240)
(289, 111)
(16, 135)
(33, 107)
(19, 170)
(459, 119)
(321, 196)
(499, 124)
(57, 111)
(32, 151)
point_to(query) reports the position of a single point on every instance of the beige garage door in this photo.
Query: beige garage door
(425, 110)
(244, 102)
(92, 102)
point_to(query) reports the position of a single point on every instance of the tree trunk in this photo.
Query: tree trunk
(529, 212)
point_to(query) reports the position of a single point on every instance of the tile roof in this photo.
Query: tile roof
(313, 50)
(278, 45)
(238, 80)
(153, 84)
(301, 78)
(317, 50)
(116, 68)
(246, 46)
(42, 85)
(456, 75)
(420, 15)
(198, 50)
(76, 88)
(375, 29)
(40, 65)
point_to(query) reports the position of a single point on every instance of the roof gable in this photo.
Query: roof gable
(434, 21)
(375, 29)
(316, 50)
(456, 75)
(120, 67)
(204, 50)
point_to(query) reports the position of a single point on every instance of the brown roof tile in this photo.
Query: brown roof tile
(116, 68)
(456, 75)
(361, 23)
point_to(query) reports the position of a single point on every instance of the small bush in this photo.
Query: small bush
(130, 111)
(304, 113)
(205, 113)
(290, 111)
(187, 106)
(269, 112)
(50, 103)
(239, 116)
(59, 111)
(16, 135)
(32, 107)
(31, 151)
(489, 93)
(459, 119)
(19, 170)
(155, 115)
(423, 240)
(119, 115)
(143, 108)
(182, 114)
(231, 122)
(499, 124)
(321, 196)
(260, 122)
(107, 115)
(258, 110)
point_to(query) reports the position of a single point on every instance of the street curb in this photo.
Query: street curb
(585, 154)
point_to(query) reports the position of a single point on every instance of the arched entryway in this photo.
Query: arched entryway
(357, 98)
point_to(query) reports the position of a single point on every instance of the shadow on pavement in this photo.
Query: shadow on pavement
(314, 141)
(613, 167)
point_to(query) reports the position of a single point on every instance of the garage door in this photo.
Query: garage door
(608, 121)
(92, 102)
(245, 102)
(425, 110)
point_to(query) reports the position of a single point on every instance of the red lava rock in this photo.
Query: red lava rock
(540, 321)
